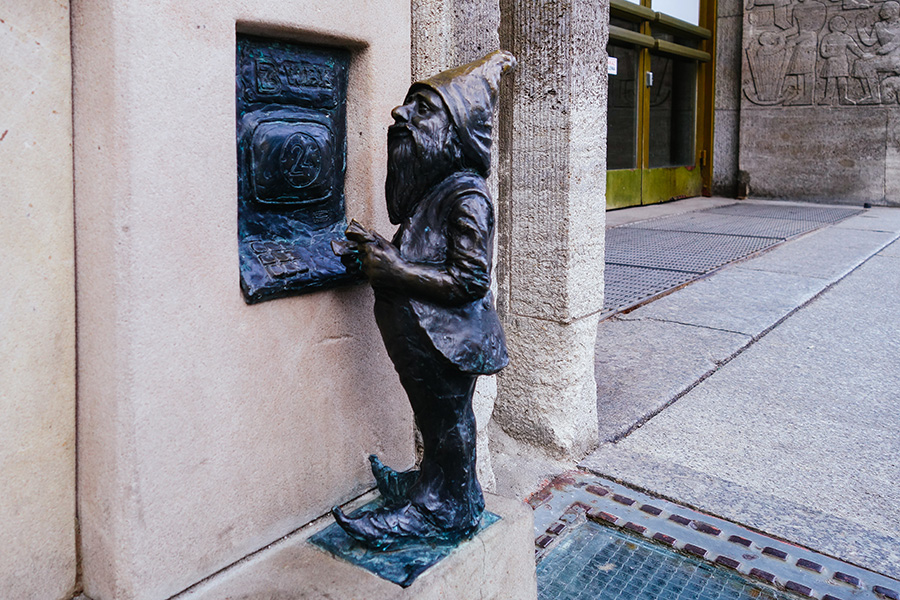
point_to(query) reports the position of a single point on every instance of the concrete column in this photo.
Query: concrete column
(726, 139)
(553, 186)
(37, 304)
(445, 34)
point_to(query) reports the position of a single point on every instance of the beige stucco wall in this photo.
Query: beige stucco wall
(209, 428)
(37, 304)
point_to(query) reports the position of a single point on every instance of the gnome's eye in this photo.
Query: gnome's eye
(422, 108)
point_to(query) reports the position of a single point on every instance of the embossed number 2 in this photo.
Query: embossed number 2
(303, 163)
(301, 160)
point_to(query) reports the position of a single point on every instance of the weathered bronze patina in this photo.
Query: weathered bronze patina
(291, 136)
(433, 303)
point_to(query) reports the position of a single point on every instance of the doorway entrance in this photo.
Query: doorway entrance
(659, 120)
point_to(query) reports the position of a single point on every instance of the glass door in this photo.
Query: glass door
(659, 119)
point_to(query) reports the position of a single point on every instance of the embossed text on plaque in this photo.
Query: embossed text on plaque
(291, 138)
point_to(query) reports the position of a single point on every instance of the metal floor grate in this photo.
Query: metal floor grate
(822, 214)
(648, 258)
(700, 222)
(596, 563)
(624, 283)
(678, 250)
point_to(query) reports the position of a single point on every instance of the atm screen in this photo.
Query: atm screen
(291, 142)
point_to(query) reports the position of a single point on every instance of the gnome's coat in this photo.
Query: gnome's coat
(452, 226)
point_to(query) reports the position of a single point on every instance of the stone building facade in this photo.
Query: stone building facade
(807, 104)
(206, 428)
(156, 429)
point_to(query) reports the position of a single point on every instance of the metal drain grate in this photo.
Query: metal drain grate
(822, 214)
(595, 538)
(678, 250)
(648, 258)
(624, 283)
(595, 563)
(704, 222)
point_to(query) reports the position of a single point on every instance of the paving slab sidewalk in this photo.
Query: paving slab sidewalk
(769, 393)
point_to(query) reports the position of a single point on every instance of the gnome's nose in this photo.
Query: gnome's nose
(401, 113)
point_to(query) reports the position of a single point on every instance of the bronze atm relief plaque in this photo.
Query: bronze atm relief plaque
(292, 147)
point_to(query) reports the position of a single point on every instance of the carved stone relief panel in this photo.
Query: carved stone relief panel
(821, 52)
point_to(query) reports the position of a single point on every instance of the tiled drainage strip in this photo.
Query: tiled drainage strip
(706, 222)
(644, 263)
(598, 563)
(803, 212)
(678, 250)
(647, 258)
(574, 498)
(625, 285)
(756, 220)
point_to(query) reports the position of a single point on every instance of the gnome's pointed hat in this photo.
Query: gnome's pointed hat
(470, 92)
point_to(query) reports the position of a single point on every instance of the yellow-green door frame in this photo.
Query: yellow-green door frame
(643, 185)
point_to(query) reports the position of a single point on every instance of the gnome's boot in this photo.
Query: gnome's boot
(445, 502)
(393, 485)
(386, 527)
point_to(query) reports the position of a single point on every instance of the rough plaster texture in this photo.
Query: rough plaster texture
(209, 428)
(806, 140)
(552, 219)
(826, 155)
(497, 565)
(892, 159)
(37, 304)
(446, 34)
(522, 468)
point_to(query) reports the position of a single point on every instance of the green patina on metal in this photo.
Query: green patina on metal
(623, 188)
(401, 565)
(634, 187)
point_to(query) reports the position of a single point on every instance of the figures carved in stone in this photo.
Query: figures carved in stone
(883, 42)
(836, 48)
(808, 19)
(827, 52)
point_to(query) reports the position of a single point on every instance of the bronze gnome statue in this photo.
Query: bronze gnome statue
(433, 303)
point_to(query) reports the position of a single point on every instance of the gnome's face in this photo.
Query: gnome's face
(423, 112)
(423, 149)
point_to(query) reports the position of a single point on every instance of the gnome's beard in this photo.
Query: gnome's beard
(416, 162)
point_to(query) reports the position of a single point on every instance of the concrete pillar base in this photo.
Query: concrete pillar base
(552, 220)
(550, 394)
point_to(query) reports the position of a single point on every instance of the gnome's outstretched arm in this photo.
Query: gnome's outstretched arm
(462, 278)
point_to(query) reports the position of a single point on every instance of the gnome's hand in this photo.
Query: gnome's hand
(381, 261)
